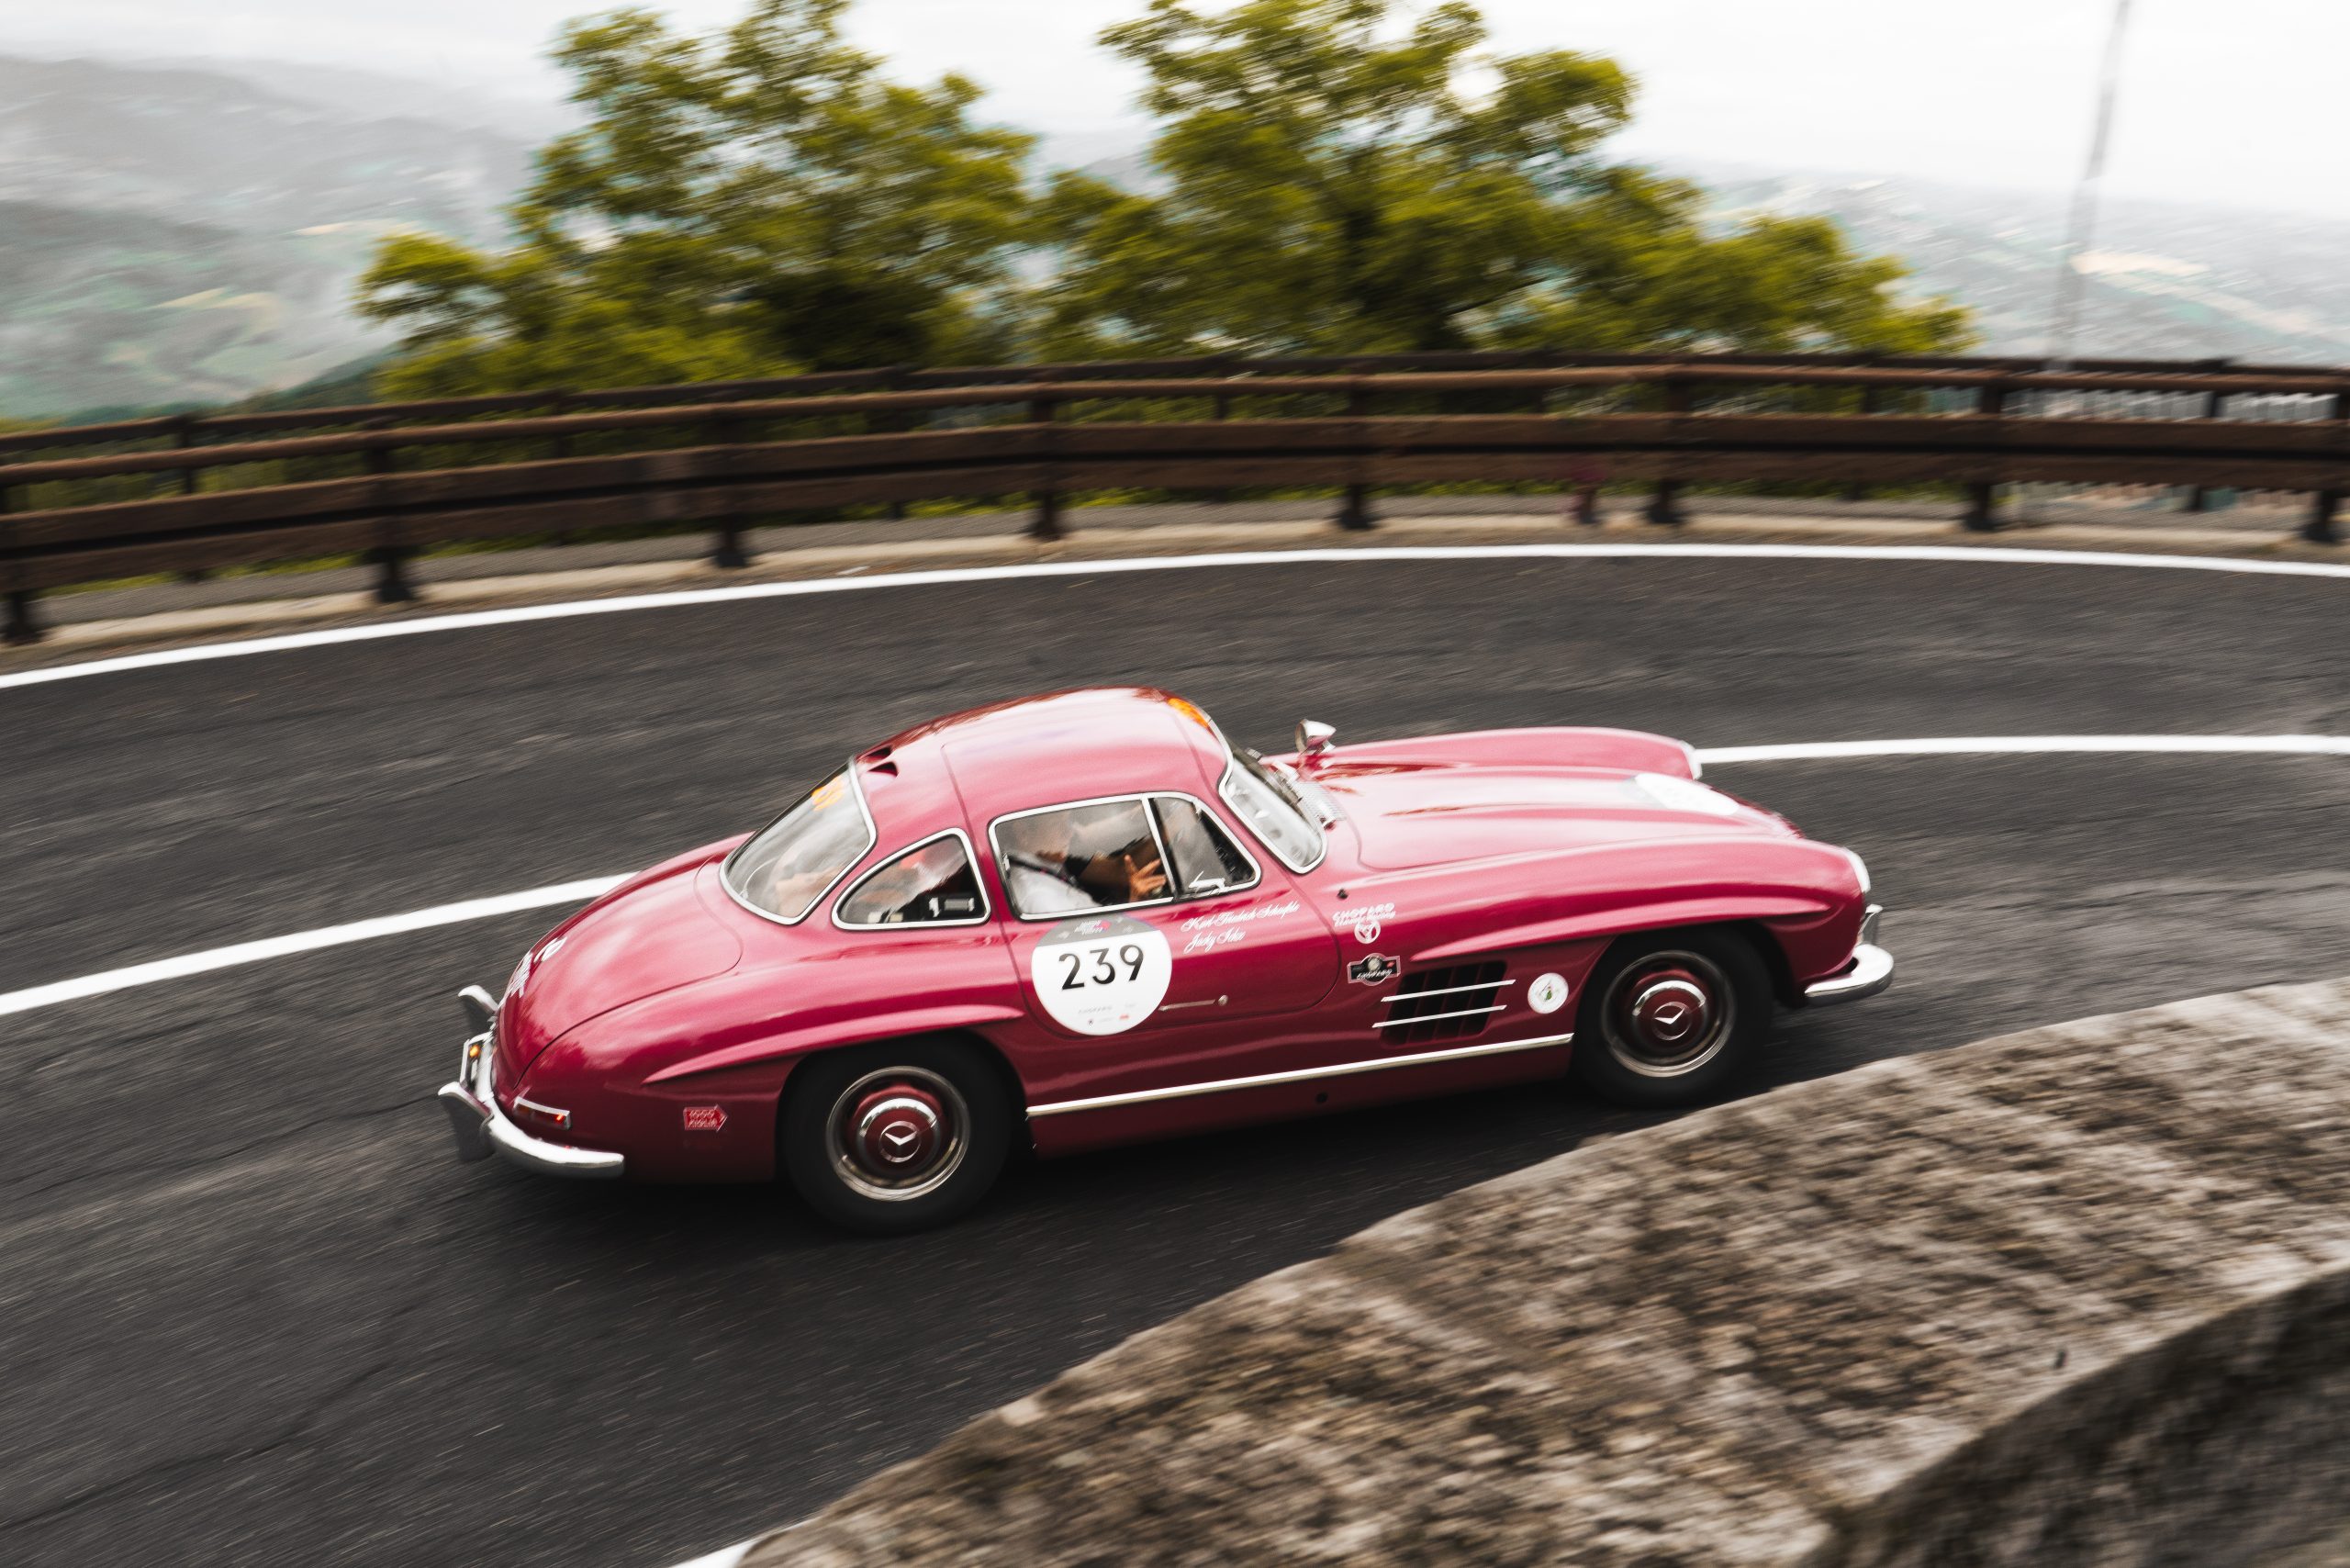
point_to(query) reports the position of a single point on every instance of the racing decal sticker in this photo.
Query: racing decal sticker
(705, 1118)
(1365, 922)
(1100, 976)
(1373, 968)
(1548, 993)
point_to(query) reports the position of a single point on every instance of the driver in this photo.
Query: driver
(1053, 874)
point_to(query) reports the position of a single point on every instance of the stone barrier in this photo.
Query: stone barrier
(2078, 1296)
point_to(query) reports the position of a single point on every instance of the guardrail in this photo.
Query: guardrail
(1668, 423)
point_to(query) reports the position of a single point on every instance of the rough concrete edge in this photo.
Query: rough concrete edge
(74, 640)
(2269, 1340)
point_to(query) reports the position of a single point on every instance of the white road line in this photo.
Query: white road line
(1985, 745)
(300, 942)
(1561, 552)
(580, 892)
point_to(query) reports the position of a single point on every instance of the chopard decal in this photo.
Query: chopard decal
(1365, 921)
(1373, 968)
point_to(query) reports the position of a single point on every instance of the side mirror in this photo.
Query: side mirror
(1313, 739)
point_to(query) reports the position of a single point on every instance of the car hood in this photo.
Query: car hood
(652, 934)
(1426, 814)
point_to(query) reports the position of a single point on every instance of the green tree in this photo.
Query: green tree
(750, 204)
(1328, 181)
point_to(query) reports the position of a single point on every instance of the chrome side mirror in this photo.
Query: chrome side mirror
(1314, 738)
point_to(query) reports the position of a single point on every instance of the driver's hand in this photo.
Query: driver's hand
(1147, 881)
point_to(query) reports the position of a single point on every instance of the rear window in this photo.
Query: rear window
(786, 866)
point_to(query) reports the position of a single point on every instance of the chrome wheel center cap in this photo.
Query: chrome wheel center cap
(897, 1132)
(1669, 1012)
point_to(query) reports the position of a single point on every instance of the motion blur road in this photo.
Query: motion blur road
(255, 1312)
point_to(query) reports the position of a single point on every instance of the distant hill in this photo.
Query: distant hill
(171, 235)
(2163, 280)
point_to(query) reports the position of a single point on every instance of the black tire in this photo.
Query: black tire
(1672, 1017)
(847, 1114)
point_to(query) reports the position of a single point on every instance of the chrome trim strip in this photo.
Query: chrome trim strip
(970, 858)
(1871, 971)
(1003, 869)
(1447, 991)
(872, 838)
(481, 1126)
(1219, 1086)
(1432, 1017)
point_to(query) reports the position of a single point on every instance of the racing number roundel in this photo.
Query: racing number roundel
(1100, 976)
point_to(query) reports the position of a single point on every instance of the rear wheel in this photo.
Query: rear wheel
(1669, 1017)
(894, 1137)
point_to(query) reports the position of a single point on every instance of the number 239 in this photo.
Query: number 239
(1103, 969)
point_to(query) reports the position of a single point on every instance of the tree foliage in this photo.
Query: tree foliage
(757, 202)
(1331, 181)
(1329, 175)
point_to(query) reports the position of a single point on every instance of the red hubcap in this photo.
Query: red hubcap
(896, 1132)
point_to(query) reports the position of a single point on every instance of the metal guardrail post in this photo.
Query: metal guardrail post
(389, 559)
(728, 554)
(183, 437)
(1045, 525)
(1858, 492)
(2215, 407)
(1664, 507)
(1354, 512)
(23, 627)
(2327, 504)
(1983, 495)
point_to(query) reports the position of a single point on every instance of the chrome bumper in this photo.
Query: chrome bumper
(1870, 972)
(482, 1129)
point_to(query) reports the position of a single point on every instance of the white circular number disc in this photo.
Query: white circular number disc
(1548, 993)
(1100, 976)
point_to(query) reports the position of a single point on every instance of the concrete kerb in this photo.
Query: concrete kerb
(2076, 1295)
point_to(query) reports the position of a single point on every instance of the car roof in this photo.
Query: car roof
(1062, 745)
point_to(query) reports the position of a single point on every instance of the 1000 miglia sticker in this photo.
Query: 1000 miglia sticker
(1103, 974)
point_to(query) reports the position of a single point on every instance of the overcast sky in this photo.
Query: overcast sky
(2233, 101)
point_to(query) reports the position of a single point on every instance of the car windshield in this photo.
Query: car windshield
(1271, 807)
(788, 865)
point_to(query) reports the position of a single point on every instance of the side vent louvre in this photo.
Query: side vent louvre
(1449, 1003)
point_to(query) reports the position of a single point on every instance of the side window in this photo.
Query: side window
(931, 884)
(1076, 858)
(1205, 858)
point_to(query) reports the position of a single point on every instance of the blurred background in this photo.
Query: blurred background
(192, 198)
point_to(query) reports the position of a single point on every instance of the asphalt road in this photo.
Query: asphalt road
(251, 1311)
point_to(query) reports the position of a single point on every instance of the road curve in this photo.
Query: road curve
(253, 1313)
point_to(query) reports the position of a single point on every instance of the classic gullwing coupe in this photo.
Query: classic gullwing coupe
(1087, 918)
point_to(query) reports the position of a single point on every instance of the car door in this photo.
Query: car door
(1154, 952)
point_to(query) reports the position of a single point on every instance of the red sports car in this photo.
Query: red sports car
(1086, 918)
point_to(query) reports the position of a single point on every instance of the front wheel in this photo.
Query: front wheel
(891, 1139)
(1669, 1017)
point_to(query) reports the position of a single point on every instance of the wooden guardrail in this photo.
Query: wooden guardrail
(730, 457)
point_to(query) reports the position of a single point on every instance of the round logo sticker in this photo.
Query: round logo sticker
(1100, 976)
(1548, 993)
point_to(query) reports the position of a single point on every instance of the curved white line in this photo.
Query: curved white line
(1989, 746)
(1563, 552)
(300, 942)
(580, 892)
